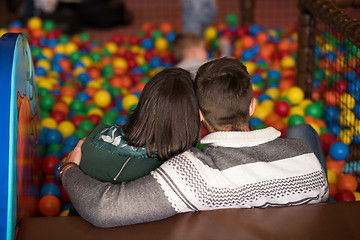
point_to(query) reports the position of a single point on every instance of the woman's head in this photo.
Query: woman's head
(166, 119)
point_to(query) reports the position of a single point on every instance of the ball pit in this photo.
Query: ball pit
(82, 82)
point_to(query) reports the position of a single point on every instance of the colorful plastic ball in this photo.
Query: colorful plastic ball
(347, 118)
(86, 125)
(346, 136)
(34, 23)
(128, 101)
(49, 205)
(53, 136)
(161, 44)
(49, 123)
(344, 196)
(287, 62)
(210, 33)
(314, 110)
(231, 19)
(48, 164)
(357, 196)
(339, 151)
(274, 93)
(120, 63)
(347, 182)
(47, 102)
(295, 120)
(102, 98)
(332, 177)
(66, 128)
(282, 108)
(327, 139)
(50, 189)
(295, 95)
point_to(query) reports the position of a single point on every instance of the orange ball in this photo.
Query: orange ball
(49, 205)
(347, 182)
(68, 91)
(285, 84)
(115, 81)
(262, 38)
(62, 107)
(90, 91)
(332, 190)
(248, 42)
(166, 27)
(334, 166)
(271, 119)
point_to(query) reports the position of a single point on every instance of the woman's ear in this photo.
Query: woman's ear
(251, 107)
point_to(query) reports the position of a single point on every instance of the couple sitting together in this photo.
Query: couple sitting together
(151, 169)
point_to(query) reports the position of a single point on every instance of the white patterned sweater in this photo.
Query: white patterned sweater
(243, 170)
(236, 170)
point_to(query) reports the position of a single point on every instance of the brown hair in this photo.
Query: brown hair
(183, 42)
(224, 91)
(166, 119)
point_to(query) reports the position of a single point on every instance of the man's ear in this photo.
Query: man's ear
(252, 107)
(201, 116)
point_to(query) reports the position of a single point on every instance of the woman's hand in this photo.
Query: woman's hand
(75, 155)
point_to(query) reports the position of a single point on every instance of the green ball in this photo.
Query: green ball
(64, 39)
(111, 114)
(144, 79)
(54, 148)
(107, 121)
(95, 56)
(86, 125)
(314, 110)
(231, 19)
(49, 25)
(106, 85)
(140, 34)
(89, 107)
(296, 120)
(77, 105)
(35, 51)
(132, 108)
(47, 102)
(145, 67)
(80, 133)
(42, 91)
(259, 126)
(286, 99)
(115, 92)
(44, 114)
(75, 56)
(156, 34)
(84, 37)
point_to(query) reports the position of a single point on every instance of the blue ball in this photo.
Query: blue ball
(50, 189)
(274, 74)
(66, 149)
(155, 62)
(83, 96)
(122, 119)
(339, 151)
(334, 128)
(71, 141)
(40, 71)
(254, 121)
(147, 43)
(256, 78)
(263, 97)
(53, 136)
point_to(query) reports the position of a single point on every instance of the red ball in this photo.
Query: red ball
(76, 120)
(95, 119)
(58, 116)
(340, 86)
(344, 196)
(327, 139)
(49, 205)
(49, 163)
(282, 108)
(64, 196)
(116, 38)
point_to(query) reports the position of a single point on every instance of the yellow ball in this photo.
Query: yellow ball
(161, 44)
(95, 111)
(111, 47)
(255, 87)
(296, 110)
(48, 53)
(316, 127)
(332, 178)
(250, 66)
(274, 93)
(346, 101)
(70, 48)
(44, 64)
(2, 31)
(60, 48)
(210, 33)
(86, 60)
(347, 118)
(128, 101)
(140, 60)
(44, 83)
(346, 136)
(295, 95)
(287, 62)
(34, 23)
(66, 128)
(268, 105)
(303, 104)
(49, 123)
(102, 98)
(357, 196)
(64, 213)
(120, 63)
(261, 112)
(67, 99)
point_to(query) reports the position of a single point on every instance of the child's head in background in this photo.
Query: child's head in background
(189, 46)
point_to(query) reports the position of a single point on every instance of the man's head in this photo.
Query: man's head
(189, 46)
(224, 91)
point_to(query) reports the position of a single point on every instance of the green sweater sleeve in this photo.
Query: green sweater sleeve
(107, 166)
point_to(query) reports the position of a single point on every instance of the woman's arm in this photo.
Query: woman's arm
(109, 205)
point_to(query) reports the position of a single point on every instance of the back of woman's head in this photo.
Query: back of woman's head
(166, 120)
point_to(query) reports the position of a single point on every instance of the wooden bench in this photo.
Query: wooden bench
(338, 221)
